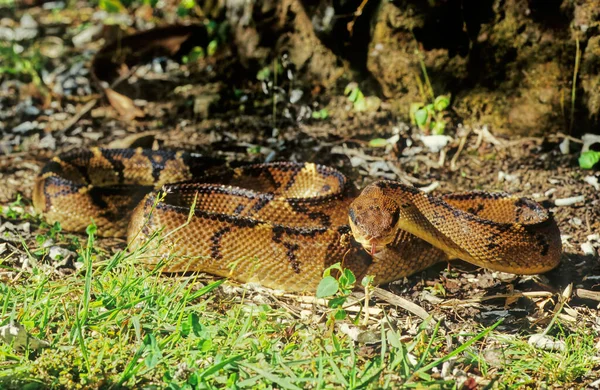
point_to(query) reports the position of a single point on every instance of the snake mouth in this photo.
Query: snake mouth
(372, 245)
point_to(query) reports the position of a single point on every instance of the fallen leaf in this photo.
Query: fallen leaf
(123, 105)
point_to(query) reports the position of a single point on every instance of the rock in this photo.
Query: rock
(25, 127)
(86, 36)
(289, 21)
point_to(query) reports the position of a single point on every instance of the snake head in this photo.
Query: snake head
(374, 219)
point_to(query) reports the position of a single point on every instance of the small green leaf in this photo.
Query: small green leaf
(263, 74)
(253, 150)
(353, 97)
(588, 159)
(212, 47)
(191, 325)
(393, 339)
(187, 4)
(349, 275)
(194, 55)
(441, 103)
(321, 114)
(327, 287)
(211, 26)
(91, 229)
(111, 6)
(193, 379)
(339, 314)
(378, 143)
(439, 127)
(367, 280)
(232, 381)
(421, 116)
(337, 301)
(154, 353)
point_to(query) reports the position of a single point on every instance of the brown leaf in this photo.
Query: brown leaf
(123, 105)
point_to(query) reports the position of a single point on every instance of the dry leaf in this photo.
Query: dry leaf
(123, 105)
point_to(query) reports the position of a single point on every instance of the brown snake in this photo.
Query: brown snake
(283, 224)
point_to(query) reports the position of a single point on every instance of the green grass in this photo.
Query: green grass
(525, 365)
(114, 324)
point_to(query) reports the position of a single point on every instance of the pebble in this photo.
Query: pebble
(588, 249)
(59, 253)
(507, 177)
(25, 127)
(27, 21)
(435, 143)
(7, 34)
(576, 221)
(48, 142)
(86, 36)
(52, 5)
(31, 110)
(546, 343)
(593, 237)
(296, 95)
(593, 181)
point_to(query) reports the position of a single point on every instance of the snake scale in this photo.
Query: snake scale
(282, 224)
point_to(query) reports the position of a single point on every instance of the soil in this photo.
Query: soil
(217, 106)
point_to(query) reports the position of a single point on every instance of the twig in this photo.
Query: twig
(461, 145)
(357, 14)
(74, 119)
(574, 87)
(531, 294)
(394, 299)
(569, 201)
(588, 294)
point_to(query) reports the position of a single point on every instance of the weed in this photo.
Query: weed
(320, 114)
(15, 209)
(588, 159)
(17, 61)
(574, 86)
(111, 6)
(339, 289)
(355, 95)
(429, 113)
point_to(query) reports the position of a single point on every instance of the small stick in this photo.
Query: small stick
(569, 201)
(394, 299)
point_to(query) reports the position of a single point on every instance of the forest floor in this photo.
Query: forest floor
(77, 311)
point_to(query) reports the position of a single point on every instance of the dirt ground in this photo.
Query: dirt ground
(215, 106)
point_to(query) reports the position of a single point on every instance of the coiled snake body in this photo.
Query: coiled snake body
(282, 224)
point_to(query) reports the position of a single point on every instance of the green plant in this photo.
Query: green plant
(430, 117)
(356, 96)
(588, 159)
(185, 6)
(15, 209)
(321, 114)
(339, 289)
(430, 112)
(16, 61)
(194, 55)
(111, 6)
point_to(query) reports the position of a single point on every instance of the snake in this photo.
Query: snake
(282, 224)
